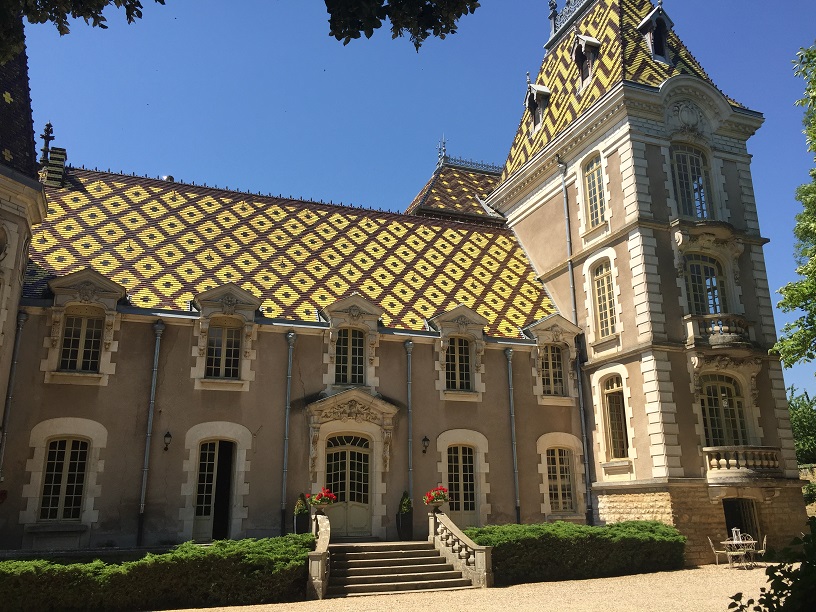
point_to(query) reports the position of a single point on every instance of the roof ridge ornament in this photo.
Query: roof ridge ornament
(442, 152)
(561, 20)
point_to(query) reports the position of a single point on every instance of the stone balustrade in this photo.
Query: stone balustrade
(742, 462)
(718, 330)
(318, 581)
(474, 561)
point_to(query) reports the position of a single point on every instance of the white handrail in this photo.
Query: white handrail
(318, 581)
(474, 561)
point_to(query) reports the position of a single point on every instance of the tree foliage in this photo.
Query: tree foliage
(348, 19)
(803, 423)
(798, 341)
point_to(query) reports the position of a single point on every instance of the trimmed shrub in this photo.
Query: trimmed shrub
(226, 573)
(565, 551)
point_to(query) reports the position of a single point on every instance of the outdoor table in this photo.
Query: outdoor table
(740, 552)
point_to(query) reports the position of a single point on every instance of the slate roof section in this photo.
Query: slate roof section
(454, 191)
(168, 241)
(623, 56)
(17, 147)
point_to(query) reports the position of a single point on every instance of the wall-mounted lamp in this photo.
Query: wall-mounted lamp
(425, 444)
(167, 440)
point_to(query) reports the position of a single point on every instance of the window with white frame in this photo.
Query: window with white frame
(723, 409)
(691, 182)
(552, 370)
(604, 293)
(594, 192)
(64, 479)
(617, 436)
(585, 54)
(705, 284)
(81, 342)
(223, 349)
(559, 480)
(457, 365)
(349, 358)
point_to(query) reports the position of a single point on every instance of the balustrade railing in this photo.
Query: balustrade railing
(464, 554)
(319, 568)
(738, 462)
(718, 329)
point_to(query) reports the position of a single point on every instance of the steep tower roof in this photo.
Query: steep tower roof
(614, 29)
(17, 148)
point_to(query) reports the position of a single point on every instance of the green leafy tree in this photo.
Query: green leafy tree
(348, 19)
(803, 423)
(798, 341)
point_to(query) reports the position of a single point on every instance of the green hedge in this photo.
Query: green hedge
(227, 573)
(565, 551)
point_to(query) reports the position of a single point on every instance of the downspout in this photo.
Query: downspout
(290, 340)
(578, 373)
(409, 347)
(22, 317)
(508, 352)
(158, 329)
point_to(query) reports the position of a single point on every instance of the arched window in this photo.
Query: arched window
(604, 294)
(617, 436)
(704, 285)
(349, 358)
(457, 365)
(82, 339)
(552, 370)
(64, 479)
(723, 411)
(691, 182)
(594, 193)
(559, 480)
(223, 349)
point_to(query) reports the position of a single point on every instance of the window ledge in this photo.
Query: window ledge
(606, 343)
(617, 467)
(55, 527)
(595, 232)
(461, 396)
(557, 400)
(77, 378)
(222, 384)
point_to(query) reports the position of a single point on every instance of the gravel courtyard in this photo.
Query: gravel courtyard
(701, 589)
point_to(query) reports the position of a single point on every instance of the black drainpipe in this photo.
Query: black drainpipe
(290, 339)
(508, 353)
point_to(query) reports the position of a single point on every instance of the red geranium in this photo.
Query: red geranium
(325, 496)
(436, 495)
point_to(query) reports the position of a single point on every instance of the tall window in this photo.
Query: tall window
(593, 185)
(64, 480)
(704, 285)
(659, 35)
(604, 299)
(223, 351)
(723, 411)
(81, 344)
(617, 436)
(349, 357)
(559, 479)
(457, 365)
(691, 182)
(552, 370)
(461, 479)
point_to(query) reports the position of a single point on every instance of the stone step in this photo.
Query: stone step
(391, 587)
(391, 578)
(345, 572)
(340, 563)
(380, 546)
(384, 554)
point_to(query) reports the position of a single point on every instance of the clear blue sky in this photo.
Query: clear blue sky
(255, 95)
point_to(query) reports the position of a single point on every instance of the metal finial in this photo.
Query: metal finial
(528, 77)
(442, 152)
(47, 136)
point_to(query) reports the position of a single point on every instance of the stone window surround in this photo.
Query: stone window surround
(204, 432)
(85, 289)
(559, 439)
(613, 469)
(588, 268)
(744, 372)
(461, 322)
(353, 312)
(587, 233)
(558, 331)
(226, 301)
(41, 434)
(481, 468)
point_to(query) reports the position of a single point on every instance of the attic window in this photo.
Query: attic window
(655, 28)
(585, 52)
(538, 97)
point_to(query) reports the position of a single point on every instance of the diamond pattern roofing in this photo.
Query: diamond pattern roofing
(455, 190)
(166, 242)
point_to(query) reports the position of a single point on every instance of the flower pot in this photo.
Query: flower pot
(435, 506)
(318, 508)
(405, 526)
(301, 523)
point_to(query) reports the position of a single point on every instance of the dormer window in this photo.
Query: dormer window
(457, 365)
(585, 52)
(655, 28)
(349, 359)
(460, 354)
(223, 349)
(537, 99)
(82, 340)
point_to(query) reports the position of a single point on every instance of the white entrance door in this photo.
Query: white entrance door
(348, 459)
(462, 486)
(213, 491)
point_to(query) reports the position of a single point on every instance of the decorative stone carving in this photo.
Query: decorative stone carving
(749, 367)
(350, 411)
(723, 245)
(86, 292)
(228, 304)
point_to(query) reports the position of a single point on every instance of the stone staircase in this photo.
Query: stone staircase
(387, 567)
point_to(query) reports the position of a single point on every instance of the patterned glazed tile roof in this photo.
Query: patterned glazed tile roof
(166, 242)
(455, 190)
(17, 148)
(623, 55)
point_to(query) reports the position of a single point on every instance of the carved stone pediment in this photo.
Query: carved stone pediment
(86, 287)
(461, 320)
(228, 299)
(354, 309)
(693, 108)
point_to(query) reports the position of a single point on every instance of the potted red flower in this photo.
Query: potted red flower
(436, 497)
(321, 499)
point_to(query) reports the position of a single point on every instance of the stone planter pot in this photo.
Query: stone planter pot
(318, 508)
(405, 526)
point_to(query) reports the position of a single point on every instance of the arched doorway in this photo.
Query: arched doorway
(462, 485)
(213, 490)
(348, 473)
